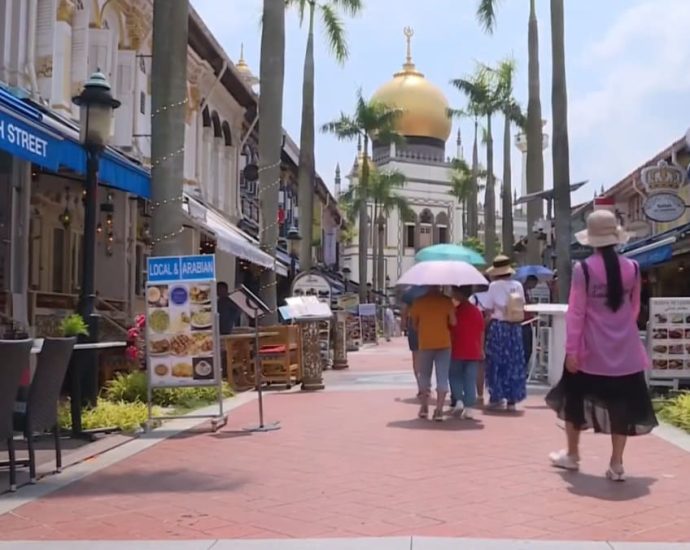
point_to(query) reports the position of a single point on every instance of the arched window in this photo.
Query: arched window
(410, 230)
(227, 134)
(441, 233)
(426, 228)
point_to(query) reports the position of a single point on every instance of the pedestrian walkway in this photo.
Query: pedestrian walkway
(354, 464)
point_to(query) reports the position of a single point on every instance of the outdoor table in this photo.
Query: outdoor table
(76, 374)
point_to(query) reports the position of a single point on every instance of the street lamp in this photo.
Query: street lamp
(293, 238)
(96, 105)
(346, 277)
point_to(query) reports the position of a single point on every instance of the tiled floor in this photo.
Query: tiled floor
(359, 464)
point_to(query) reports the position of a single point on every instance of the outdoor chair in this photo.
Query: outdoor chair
(16, 356)
(281, 355)
(41, 414)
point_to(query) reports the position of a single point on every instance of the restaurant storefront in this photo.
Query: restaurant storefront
(42, 169)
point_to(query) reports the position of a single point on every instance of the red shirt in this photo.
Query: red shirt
(467, 333)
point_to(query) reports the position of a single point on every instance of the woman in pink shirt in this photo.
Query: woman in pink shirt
(603, 385)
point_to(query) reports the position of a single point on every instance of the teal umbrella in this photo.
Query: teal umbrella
(450, 252)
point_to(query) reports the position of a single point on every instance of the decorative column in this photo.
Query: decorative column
(312, 363)
(340, 344)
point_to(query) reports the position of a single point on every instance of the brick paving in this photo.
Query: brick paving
(359, 464)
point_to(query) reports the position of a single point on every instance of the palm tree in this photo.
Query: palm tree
(271, 76)
(169, 90)
(338, 45)
(560, 150)
(512, 113)
(486, 13)
(483, 89)
(462, 183)
(476, 91)
(371, 118)
(383, 190)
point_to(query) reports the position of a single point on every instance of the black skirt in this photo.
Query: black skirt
(608, 404)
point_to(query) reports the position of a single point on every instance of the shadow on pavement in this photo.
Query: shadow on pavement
(503, 413)
(450, 425)
(603, 489)
(130, 482)
(231, 434)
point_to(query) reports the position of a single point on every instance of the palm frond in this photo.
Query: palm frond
(350, 7)
(345, 128)
(486, 14)
(335, 32)
(301, 6)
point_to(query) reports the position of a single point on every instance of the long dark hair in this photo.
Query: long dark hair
(614, 278)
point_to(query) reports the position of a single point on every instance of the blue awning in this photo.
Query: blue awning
(24, 133)
(652, 257)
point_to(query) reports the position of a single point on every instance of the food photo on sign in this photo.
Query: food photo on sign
(670, 336)
(180, 326)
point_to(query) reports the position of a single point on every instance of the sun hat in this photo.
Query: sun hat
(602, 230)
(500, 267)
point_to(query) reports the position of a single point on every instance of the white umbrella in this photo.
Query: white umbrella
(443, 273)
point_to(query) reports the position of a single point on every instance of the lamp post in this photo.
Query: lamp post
(96, 106)
(293, 238)
(346, 277)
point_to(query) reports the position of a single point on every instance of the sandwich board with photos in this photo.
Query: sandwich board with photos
(182, 341)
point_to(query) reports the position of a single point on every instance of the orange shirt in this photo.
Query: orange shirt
(430, 315)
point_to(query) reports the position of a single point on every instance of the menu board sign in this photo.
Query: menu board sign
(181, 322)
(669, 342)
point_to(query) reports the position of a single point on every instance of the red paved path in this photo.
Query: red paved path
(351, 464)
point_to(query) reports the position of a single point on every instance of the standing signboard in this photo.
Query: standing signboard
(669, 337)
(367, 317)
(182, 341)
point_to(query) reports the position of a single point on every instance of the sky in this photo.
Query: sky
(627, 71)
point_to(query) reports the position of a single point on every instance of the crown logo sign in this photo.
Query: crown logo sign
(662, 177)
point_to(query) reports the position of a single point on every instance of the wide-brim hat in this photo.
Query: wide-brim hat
(602, 230)
(501, 266)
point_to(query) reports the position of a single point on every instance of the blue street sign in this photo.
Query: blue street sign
(169, 269)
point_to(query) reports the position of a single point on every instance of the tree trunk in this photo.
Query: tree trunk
(507, 197)
(472, 211)
(169, 85)
(305, 176)
(560, 151)
(363, 224)
(489, 197)
(381, 267)
(374, 247)
(271, 75)
(535, 153)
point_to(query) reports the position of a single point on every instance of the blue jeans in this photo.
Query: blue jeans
(463, 381)
(427, 358)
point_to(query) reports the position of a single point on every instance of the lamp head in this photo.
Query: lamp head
(96, 105)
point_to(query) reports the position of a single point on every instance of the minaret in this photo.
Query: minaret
(245, 71)
(337, 181)
(459, 154)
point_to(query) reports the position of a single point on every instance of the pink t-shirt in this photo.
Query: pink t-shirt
(605, 342)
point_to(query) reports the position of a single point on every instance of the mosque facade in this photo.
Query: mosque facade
(436, 215)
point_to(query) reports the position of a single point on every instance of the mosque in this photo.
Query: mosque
(437, 216)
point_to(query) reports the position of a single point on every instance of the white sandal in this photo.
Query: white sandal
(614, 475)
(564, 461)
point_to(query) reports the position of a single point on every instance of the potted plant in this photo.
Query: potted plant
(73, 325)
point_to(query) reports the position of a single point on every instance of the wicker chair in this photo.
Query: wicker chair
(42, 405)
(15, 360)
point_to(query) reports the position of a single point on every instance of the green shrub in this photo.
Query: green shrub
(676, 411)
(127, 417)
(131, 388)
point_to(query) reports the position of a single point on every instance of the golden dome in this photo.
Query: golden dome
(425, 108)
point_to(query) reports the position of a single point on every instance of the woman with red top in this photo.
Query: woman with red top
(603, 385)
(467, 352)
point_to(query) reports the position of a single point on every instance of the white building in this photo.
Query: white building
(422, 159)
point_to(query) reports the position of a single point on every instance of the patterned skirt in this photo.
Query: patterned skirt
(506, 370)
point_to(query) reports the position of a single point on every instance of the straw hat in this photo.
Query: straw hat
(501, 266)
(602, 230)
